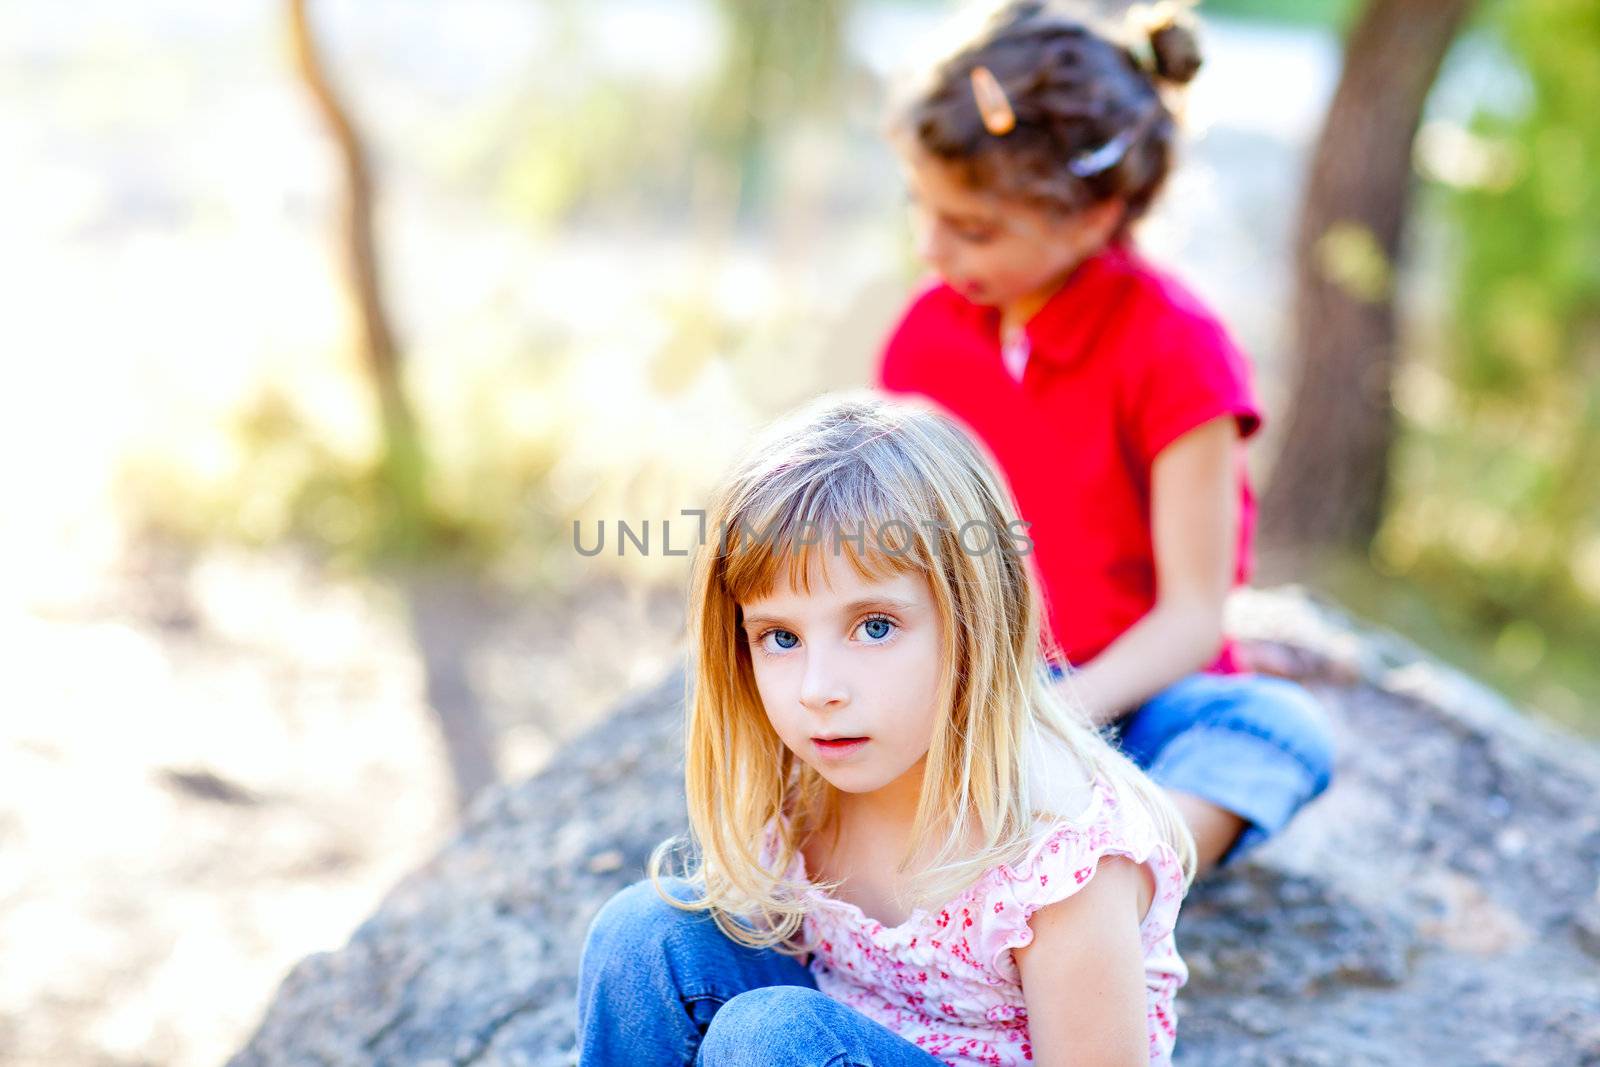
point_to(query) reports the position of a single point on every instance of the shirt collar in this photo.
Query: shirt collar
(1065, 329)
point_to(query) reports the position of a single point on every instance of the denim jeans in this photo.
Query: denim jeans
(663, 987)
(1256, 745)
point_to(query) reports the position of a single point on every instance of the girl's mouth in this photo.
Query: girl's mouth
(838, 747)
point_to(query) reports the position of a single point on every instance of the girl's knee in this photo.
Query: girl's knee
(1275, 710)
(753, 1026)
(1296, 719)
(636, 915)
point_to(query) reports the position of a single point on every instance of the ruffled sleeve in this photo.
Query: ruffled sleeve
(1063, 860)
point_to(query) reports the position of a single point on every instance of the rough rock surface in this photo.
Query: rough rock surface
(1437, 905)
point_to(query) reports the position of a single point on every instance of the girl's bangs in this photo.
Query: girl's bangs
(788, 537)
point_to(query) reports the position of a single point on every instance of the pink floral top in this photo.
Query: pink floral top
(947, 981)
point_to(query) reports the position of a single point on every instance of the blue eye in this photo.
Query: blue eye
(879, 628)
(759, 642)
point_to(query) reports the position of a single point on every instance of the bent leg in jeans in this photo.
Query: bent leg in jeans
(660, 985)
(1257, 746)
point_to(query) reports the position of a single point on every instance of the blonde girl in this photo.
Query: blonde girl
(908, 847)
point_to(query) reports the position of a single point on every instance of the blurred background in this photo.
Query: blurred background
(325, 321)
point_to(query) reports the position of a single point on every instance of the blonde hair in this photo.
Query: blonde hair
(861, 462)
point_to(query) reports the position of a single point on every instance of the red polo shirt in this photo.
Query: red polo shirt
(1122, 361)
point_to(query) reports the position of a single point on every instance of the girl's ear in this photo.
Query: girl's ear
(1090, 229)
(1103, 219)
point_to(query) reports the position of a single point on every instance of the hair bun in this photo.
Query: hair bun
(1176, 51)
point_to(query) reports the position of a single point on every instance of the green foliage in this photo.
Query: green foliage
(593, 140)
(1530, 278)
(276, 474)
(1547, 671)
(1335, 14)
(1496, 505)
(782, 60)
(600, 143)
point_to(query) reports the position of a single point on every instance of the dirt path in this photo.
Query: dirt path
(212, 773)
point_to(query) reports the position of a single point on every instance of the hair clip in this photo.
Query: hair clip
(998, 118)
(1094, 161)
(1088, 164)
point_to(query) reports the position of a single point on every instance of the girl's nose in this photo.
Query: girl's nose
(822, 687)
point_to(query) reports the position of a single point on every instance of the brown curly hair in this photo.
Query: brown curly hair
(1091, 123)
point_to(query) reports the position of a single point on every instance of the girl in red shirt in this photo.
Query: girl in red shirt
(1114, 402)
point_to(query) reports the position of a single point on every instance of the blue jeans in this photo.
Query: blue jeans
(1255, 745)
(664, 987)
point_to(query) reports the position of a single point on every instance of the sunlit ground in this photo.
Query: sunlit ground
(219, 759)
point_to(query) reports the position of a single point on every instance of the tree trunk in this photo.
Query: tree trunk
(442, 629)
(402, 463)
(1331, 477)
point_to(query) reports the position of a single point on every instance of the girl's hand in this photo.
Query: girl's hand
(1083, 972)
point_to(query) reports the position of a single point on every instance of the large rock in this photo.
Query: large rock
(1438, 905)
